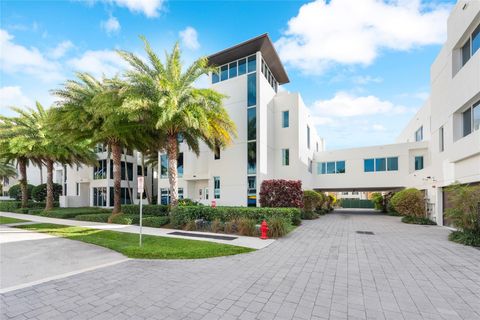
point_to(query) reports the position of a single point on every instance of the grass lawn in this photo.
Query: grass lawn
(153, 247)
(7, 220)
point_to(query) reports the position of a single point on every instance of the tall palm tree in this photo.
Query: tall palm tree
(92, 109)
(19, 141)
(166, 93)
(54, 148)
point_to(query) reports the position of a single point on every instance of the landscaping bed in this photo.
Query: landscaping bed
(418, 220)
(154, 247)
(8, 220)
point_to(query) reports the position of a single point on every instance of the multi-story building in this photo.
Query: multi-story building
(277, 139)
(93, 186)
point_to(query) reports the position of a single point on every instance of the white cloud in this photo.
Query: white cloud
(346, 105)
(12, 96)
(149, 8)
(112, 25)
(98, 63)
(15, 59)
(378, 127)
(62, 48)
(189, 38)
(354, 32)
(363, 80)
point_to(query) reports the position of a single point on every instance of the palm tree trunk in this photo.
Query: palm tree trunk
(41, 173)
(117, 177)
(50, 198)
(22, 167)
(172, 152)
(127, 177)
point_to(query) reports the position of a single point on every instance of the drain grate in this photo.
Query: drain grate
(198, 235)
(366, 232)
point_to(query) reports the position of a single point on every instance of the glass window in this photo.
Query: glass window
(180, 165)
(466, 52)
(252, 123)
(369, 165)
(340, 167)
(215, 76)
(441, 142)
(308, 137)
(252, 63)
(217, 153)
(321, 168)
(476, 40)
(216, 187)
(285, 119)
(392, 164)
(252, 89)
(242, 66)
(163, 166)
(418, 162)
(252, 158)
(380, 164)
(330, 167)
(419, 134)
(100, 170)
(285, 157)
(232, 70)
(476, 116)
(467, 122)
(100, 197)
(224, 72)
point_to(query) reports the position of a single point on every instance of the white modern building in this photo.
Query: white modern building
(277, 139)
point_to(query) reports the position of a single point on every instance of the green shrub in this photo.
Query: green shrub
(181, 215)
(277, 227)
(69, 213)
(147, 210)
(377, 200)
(309, 215)
(247, 227)
(15, 191)
(22, 210)
(418, 220)
(122, 219)
(311, 200)
(465, 210)
(96, 217)
(39, 193)
(188, 202)
(35, 211)
(468, 237)
(409, 202)
(9, 205)
(155, 222)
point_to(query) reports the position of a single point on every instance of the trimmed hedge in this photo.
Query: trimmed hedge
(418, 220)
(126, 219)
(96, 217)
(14, 205)
(69, 213)
(155, 222)
(409, 202)
(148, 210)
(180, 216)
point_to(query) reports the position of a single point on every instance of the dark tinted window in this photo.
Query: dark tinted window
(252, 89)
(252, 64)
(252, 158)
(224, 73)
(242, 66)
(252, 123)
(232, 69)
(369, 165)
(467, 122)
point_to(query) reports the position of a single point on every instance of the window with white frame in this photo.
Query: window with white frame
(419, 134)
(216, 187)
(441, 139)
(285, 157)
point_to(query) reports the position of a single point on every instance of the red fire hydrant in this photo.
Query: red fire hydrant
(264, 230)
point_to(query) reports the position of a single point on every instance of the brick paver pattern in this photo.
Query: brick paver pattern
(323, 270)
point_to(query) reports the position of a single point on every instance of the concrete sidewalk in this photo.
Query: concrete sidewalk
(241, 241)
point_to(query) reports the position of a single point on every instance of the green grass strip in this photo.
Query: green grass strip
(154, 247)
(7, 220)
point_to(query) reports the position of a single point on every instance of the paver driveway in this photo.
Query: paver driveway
(323, 270)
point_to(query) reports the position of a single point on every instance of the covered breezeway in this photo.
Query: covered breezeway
(356, 198)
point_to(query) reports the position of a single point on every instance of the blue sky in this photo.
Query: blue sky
(362, 67)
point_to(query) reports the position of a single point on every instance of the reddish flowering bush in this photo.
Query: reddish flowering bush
(281, 193)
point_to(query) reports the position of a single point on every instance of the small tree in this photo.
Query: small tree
(465, 211)
(378, 201)
(281, 193)
(311, 200)
(409, 202)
